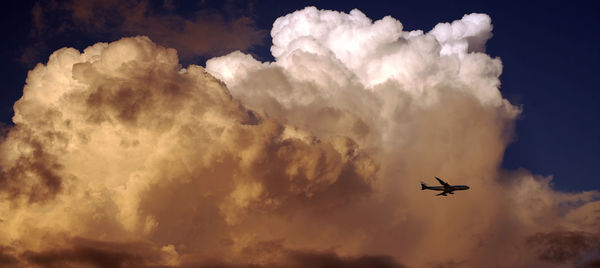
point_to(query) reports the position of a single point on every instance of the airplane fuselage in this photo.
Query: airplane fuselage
(447, 189)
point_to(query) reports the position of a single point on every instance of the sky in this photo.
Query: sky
(276, 134)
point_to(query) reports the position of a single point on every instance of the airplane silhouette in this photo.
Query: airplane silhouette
(445, 188)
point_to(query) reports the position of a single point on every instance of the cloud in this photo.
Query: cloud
(41, 169)
(307, 258)
(331, 260)
(122, 156)
(591, 264)
(7, 259)
(563, 246)
(101, 254)
(84, 252)
(230, 28)
(110, 135)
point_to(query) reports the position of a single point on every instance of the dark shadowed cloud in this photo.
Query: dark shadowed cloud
(201, 29)
(564, 246)
(37, 164)
(595, 263)
(96, 254)
(7, 257)
(90, 253)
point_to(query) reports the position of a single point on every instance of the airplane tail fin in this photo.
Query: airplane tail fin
(423, 186)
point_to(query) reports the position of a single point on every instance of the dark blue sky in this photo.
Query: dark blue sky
(549, 51)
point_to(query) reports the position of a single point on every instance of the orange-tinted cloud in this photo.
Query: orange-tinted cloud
(83, 252)
(107, 141)
(98, 254)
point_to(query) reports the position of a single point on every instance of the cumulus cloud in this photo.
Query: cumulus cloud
(120, 156)
(107, 141)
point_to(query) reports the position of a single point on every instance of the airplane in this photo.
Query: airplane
(446, 188)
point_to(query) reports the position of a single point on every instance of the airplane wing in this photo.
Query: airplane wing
(445, 184)
(442, 193)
